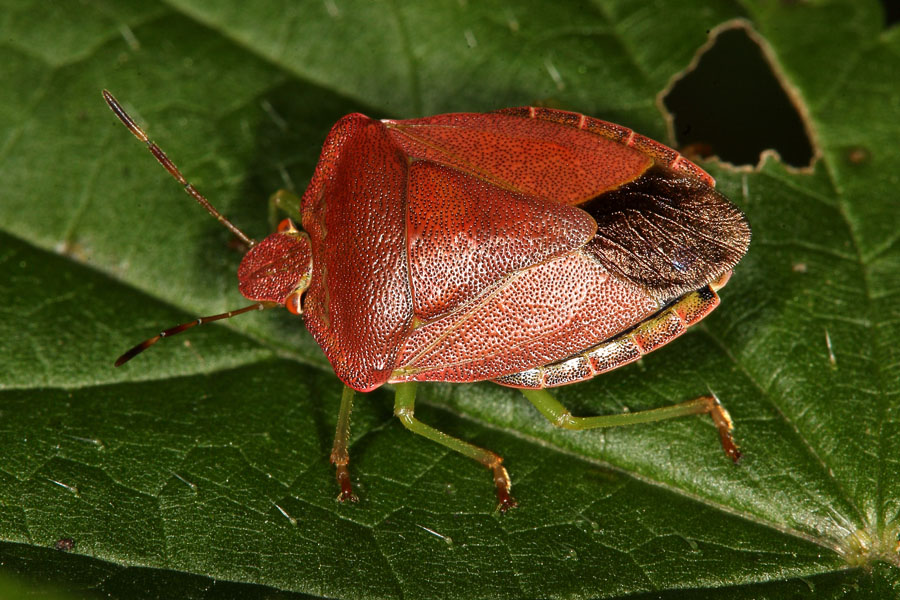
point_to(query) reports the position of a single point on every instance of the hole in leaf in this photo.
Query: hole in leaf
(731, 104)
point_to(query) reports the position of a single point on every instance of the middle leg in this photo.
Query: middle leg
(404, 409)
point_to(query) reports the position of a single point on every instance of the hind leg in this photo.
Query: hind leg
(560, 416)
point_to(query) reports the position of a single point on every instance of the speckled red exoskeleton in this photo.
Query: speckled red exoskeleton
(530, 247)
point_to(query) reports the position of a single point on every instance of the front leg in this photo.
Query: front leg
(284, 201)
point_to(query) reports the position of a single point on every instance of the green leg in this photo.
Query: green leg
(404, 409)
(557, 414)
(340, 457)
(284, 201)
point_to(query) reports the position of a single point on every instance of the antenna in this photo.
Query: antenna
(185, 326)
(157, 152)
(164, 160)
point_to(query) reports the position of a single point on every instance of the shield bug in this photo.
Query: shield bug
(531, 247)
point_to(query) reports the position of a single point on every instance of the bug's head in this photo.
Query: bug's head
(278, 269)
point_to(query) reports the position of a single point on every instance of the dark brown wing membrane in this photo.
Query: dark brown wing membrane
(667, 232)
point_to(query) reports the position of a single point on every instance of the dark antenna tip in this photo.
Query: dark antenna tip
(136, 350)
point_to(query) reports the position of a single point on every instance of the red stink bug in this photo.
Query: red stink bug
(531, 247)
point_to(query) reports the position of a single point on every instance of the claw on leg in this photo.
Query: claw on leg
(724, 424)
(343, 479)
(503, 483)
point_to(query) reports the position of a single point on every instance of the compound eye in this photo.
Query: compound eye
(292, 302)
(287, 226)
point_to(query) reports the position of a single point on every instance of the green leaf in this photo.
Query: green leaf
(200, 469)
